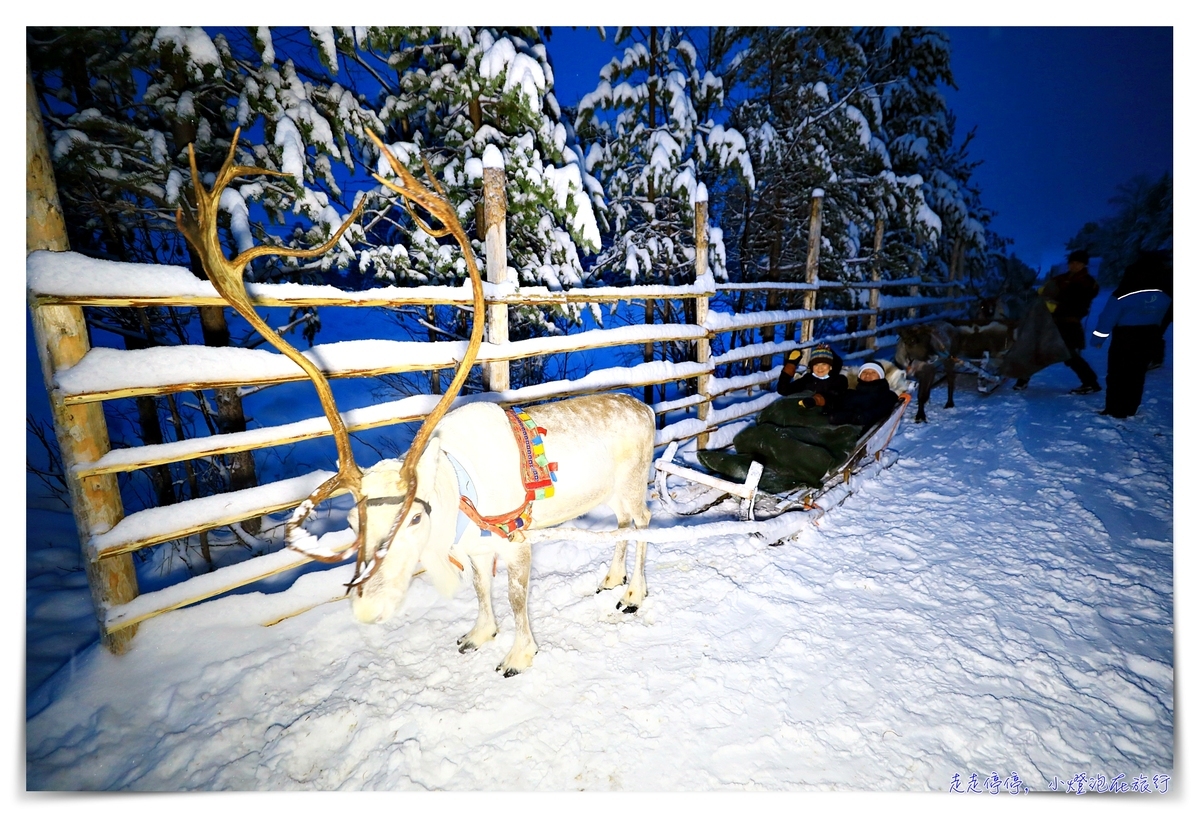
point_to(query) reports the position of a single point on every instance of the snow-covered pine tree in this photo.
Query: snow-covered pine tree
(655, 144)
(807, 109)
(911, 66)
(121, 106)
(447, 95)
(652, 141)
(1144, 220)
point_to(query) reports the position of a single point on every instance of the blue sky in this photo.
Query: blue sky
(1063, 116)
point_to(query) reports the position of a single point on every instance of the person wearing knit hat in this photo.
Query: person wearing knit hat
(824, 378)
(821, 353)
(872, 368)
(870, 401)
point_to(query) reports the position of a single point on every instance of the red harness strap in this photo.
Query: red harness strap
(538, 476)
(459, 565)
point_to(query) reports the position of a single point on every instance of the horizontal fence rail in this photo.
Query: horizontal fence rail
(62, 279)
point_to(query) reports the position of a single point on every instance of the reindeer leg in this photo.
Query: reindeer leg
(951, 373)
(520, 657)
(924, 387)
(616, 572)
(636, 593)
(485, 629)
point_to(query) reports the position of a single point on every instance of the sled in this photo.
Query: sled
(986, 371)
(706, 491)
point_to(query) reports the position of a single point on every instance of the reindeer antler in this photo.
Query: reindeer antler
(438, 205)
(200, 230)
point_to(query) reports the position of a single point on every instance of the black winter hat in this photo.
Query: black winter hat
(1079, 255)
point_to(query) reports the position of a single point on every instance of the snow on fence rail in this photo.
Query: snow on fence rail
(60, 284)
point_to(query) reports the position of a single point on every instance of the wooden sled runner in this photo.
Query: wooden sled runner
(869, 454)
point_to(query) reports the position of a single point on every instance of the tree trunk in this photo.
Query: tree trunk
(767, 334)
(230, 415)
(61, 337)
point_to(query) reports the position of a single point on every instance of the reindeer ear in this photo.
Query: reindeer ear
(427, 465)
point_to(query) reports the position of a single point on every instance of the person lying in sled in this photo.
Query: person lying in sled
(799, 441)
(824, 375)
(870, 401)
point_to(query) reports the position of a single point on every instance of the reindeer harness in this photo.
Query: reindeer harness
(538, 476)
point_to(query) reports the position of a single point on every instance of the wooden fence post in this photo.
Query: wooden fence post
(495, 212)
(703, 345)
(61, 337)
(810, 267)
(873, 318)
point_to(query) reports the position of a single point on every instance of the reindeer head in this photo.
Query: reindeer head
(396, 541)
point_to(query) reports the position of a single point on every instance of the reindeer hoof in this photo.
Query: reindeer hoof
(949, 404)
(508, 674)
(623, 608)
(920, 419)
(467, 642)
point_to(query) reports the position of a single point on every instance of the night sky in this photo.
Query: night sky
(1063, 116)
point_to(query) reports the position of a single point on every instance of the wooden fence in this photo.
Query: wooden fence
(60, 284)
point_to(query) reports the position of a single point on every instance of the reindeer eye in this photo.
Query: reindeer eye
(416, 518)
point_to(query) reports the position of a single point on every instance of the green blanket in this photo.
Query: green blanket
(796, 446)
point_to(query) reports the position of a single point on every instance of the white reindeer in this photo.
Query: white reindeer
(604, 445)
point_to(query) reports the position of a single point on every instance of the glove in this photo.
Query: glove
(790, 363)
(1051, 305)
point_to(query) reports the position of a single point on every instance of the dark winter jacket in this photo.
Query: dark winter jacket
(1136, 309)
(1072, 294)
(1142, 297)
(868, 403)
(833, 386)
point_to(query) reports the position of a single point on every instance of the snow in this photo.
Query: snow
(493, 158)
(998, 600)
(106, 369)
(287, 137)
(70, 274)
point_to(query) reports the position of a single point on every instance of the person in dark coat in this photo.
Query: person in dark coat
(1133, 318)
(1069, 297)
(869, 402)
(1163, 280)
(824, 376)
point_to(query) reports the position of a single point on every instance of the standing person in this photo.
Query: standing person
(824, 376)
(1134, 318)
(1160, 278)
(1069, 297)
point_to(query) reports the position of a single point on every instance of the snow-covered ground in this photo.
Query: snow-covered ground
(1001, 600)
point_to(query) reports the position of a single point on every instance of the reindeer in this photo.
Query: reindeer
(603, 446)
(467, 459)
(953, 344)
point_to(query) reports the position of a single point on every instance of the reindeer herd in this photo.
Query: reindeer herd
(445, 503)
